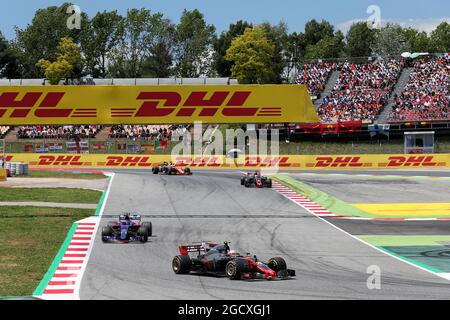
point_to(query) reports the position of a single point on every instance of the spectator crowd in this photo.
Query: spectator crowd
(315, 77)
(135, 132)
(361, 91)
(58, 132)
(426, 95)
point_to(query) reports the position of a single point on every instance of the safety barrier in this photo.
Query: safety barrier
(283, 162)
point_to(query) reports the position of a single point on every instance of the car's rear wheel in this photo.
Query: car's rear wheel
(269, 183)
(155, 170)
(181, 264)
(187, 170)
(148, 225)
(277, 264)
(106, 233)
(235, 268)
(247, 184)
(143, 234)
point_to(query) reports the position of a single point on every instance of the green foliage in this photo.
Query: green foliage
(359, 39)
(223, 42)
(252, 54)
(9, 61)
(390, 41)
(68, 58)
(328, 47)
(103, 34)
(194, 40)
(145, 36)
(40, 39)
(440, 38)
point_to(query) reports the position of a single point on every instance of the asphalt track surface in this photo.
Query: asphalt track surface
(330, 264)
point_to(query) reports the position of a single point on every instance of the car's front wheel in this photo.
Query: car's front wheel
(106, 233)
(143, 234)
(277, 264)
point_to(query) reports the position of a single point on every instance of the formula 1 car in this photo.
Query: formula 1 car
(129, 228)
(255, 179)
(219, 260)
(170, 169)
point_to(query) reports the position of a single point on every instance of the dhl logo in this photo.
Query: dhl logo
(45, 106)
(154, 104)
(163, 104)
(333, 162)
(412, 161)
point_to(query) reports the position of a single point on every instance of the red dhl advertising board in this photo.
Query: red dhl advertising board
(283, 162)
(155, 104)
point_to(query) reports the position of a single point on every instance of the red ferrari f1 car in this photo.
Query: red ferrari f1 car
(219, 260)
(170, 169)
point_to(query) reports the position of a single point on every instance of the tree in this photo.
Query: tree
(223, 42)
(252, 54)
(418, 41)
(440, 38)
(39, 40)
(276, 34)
(104, 32)
(316, 31)
(390, 41)
(194, 45)
(359, 40)
(9, 63)
(144, 36)
(328, 47)
(67, 61)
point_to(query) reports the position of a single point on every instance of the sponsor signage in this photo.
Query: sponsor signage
(22, 105)
(283, 162)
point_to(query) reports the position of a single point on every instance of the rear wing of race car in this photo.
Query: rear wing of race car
(199, 247)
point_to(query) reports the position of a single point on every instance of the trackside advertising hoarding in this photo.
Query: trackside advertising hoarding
(282, 162)
(33, 105)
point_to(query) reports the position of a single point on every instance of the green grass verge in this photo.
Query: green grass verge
(331, 203)
(29, 241)
(63, 175)
(60, 195)
(397, 241)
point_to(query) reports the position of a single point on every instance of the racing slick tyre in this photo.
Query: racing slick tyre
(155, 170)
(269, 183)
(143, 233)
(247, 184)
(148, 225)
(242, 181)
(187, 171)
(277, 264)
(181, 264)
(235, 268)
(106, 233)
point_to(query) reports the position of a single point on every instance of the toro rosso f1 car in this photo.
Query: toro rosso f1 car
(255, 179)
(170, 169)
(129, 228)
(219, 260)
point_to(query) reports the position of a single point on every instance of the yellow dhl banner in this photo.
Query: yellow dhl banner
(155, 104)
(283, 162)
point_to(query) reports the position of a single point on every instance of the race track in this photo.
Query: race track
(213, 206)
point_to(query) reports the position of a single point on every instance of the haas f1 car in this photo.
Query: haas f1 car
(255, 179)
(171, 169)
(219, 260)
(129, 228)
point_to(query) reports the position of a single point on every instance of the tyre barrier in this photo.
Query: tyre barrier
(17, 168)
